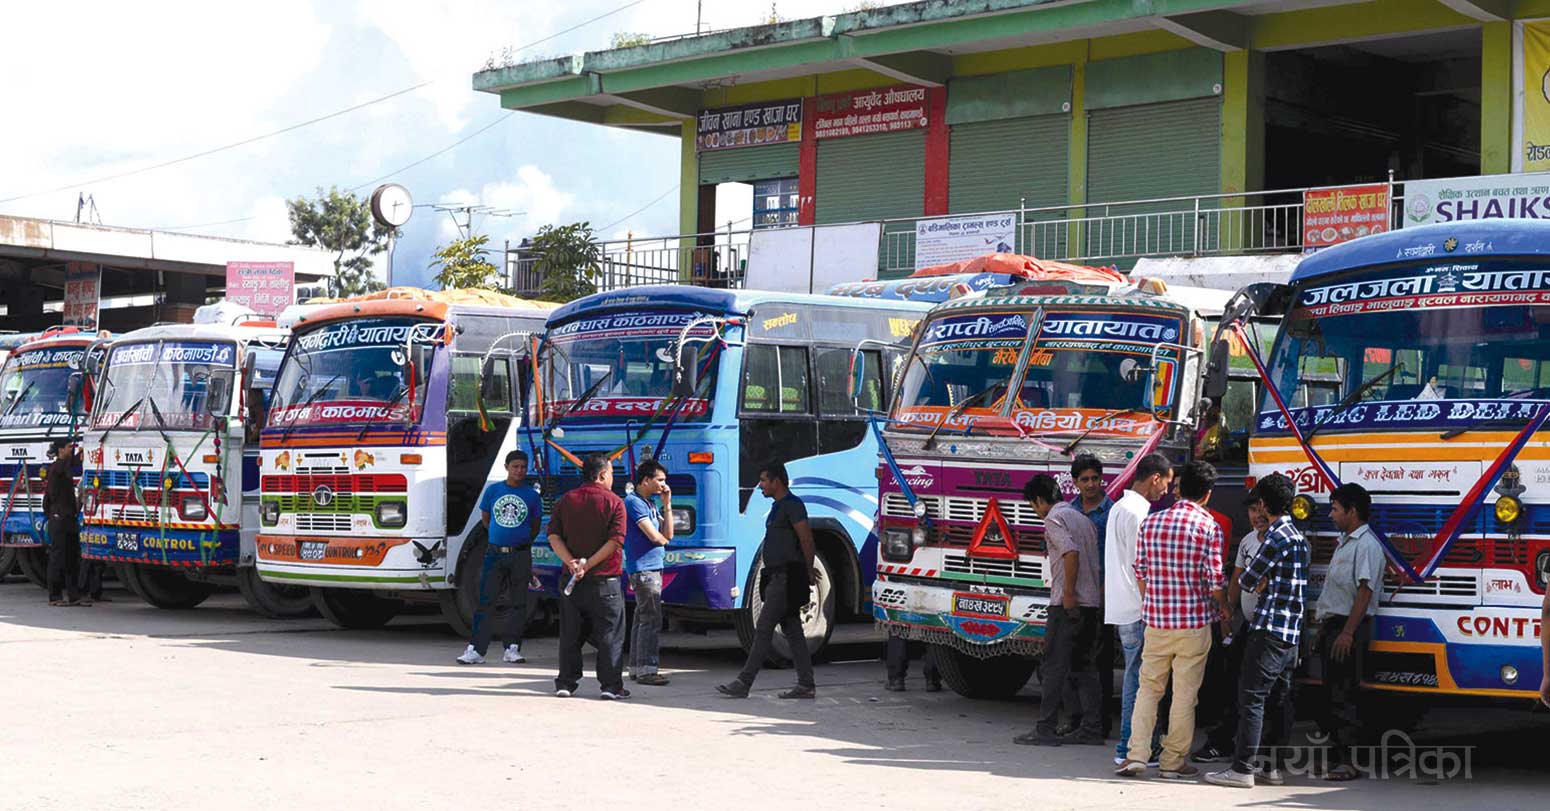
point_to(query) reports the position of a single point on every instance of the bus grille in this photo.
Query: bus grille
(1021, 569)
(310, 522)
(1459, 586)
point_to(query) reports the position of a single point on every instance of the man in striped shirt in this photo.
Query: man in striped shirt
(1179, 571)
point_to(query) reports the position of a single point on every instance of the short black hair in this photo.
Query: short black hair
(646, 469)
(1196, 480)
(1042, 487)
(593, 465)
(1353, 496)
(1151, 465)
(1275, 492)
(515, 455)
(1084, 463)
(776, 470)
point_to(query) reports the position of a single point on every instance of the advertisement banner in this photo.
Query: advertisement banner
(1535, 146)
(864, 112)
(83, 286)
(264, 287)
(1333, 216)
(953, 239)
(769, 122)
(1488, 197)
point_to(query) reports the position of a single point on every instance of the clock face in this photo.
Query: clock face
(391, 205)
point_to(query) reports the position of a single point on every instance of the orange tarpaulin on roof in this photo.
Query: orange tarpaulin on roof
(1026, 267)
(465, 296)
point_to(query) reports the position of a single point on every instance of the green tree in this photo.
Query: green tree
(465, 263)
(340, 222)
(569, 261)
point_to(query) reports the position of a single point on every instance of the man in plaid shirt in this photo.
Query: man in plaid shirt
(1179, 569)
(1280, 568)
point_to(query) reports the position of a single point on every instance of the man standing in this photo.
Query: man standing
(897, 655)
(1179, 572)
(1093, 500)
(586, 532)
(1121, 595)
(1219, 741)
(511, 512)
(1544, 651)
(646, 536)
(1280, 566)
(64, 527)
(1344, 613)
(1071, 632)
(784, 584)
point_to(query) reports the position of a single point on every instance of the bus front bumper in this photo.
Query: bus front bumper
(983, 622)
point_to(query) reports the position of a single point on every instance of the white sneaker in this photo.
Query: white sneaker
(513, 655)
(470, 657)
(562, 693)
(1274, 777)
(1230, 778)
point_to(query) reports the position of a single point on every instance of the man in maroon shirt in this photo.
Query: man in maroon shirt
(586, 531)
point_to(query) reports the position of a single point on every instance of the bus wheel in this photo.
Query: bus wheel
(997, 677)
(7, 561)
(817, 617)
(273, 599)
(165, 588)
(33, 561)
(355, 608)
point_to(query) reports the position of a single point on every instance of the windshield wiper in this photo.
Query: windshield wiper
(386, 409)
(310, 400)
(21, 395)
(1066, 451)
(582, 400)
(124, 416)
(959, 409)
(1460, 431)
(161, 424)
(1350, 399)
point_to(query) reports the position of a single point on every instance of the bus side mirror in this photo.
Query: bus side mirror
(489, 385)
(1215, 386)
(73, 391)
(685, 379)
(855, 382)
(218, 393)
(257, 414)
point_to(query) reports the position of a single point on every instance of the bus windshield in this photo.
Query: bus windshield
(1416, 346)
(1083, 365)
(625, 361)
(166, 385)
(354, 372)
(34, 386)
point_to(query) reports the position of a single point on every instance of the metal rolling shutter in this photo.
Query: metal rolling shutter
(996, 163)
(749, 163)
(871, 177)
(1154, 150)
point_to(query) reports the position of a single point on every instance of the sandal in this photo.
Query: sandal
(1342, 774)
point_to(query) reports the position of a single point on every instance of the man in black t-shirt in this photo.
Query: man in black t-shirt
(784, 581)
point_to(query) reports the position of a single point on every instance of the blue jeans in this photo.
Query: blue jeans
(1131, 637)
(648, 622)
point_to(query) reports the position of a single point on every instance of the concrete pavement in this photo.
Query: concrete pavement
(124, 706)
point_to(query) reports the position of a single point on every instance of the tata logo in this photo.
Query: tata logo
(992, 478)
(19, 453)
(323, 495)
(138, 457)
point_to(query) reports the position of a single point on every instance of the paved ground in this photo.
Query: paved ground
(123, 706)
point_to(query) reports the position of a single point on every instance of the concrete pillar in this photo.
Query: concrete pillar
(1495, 98)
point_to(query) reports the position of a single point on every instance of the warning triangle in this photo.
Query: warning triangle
(993, 537)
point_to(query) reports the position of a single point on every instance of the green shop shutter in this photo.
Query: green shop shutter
(1149, 151)
(749, 163)
(871, 177)
(993, 164)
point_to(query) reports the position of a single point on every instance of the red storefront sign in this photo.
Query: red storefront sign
(865, 112)
(1333, 216)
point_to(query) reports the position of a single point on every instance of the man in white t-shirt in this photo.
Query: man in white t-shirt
(1121, 595)
(1219, 740)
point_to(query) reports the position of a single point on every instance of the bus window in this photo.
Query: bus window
(465, 385)
(775, 380)
(834, 384)
(1238, 415)
(1524, 375)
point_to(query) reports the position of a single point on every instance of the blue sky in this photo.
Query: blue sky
(100, 88)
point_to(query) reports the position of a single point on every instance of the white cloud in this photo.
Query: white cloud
(271, 220)
(533, 193)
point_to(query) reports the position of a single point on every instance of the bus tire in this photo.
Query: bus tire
(355, 608)
(818, 619)
(165, 588)
(999, 677)
(7, 561)
(273, 600)
(33, 561)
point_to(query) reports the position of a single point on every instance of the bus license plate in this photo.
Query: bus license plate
(313, 550)
(983, 606)
(20, 539)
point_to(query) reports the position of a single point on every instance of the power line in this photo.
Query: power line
(436, 154)
(656, 200)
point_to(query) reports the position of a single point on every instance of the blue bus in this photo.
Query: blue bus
(769, 382)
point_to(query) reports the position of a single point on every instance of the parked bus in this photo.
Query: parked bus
(35, 409)
(765, 380)
(169, 489)
(375, 447)
(1001, 386)
(1437, 340)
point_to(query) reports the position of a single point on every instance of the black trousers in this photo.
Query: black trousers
(502, 598)
(1070, 645)
(1225, 672)
(597, 603)
(1103, 663)
(91, 578)
(1344, 716)
(64, 559)
(898, 653)
(1265, 712)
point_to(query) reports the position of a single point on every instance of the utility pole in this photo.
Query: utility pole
(699, 11)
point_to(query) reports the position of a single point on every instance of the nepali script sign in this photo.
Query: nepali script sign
(770, 122)
(1460, 284)
(83, 288)
(944, 240)
(263, 287)
(1333, 216)
(864, 112)
(1489, 197)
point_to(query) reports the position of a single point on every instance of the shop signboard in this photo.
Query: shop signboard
(1534, 141)
(83, 288)
(942, 240)
(865, 112)
(770, 122)
(1333, 216)
(1487, 197)
(264, 287)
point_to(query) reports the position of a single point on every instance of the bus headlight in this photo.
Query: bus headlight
(193, 508)
(683, 520)
(1508, 509)
(392, 514)
(1302, 508)
(898, 543)
(269, 512)
(89, 502)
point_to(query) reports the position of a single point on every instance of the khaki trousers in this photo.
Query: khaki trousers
(1183, 653)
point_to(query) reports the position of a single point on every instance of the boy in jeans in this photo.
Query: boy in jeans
(647, 532)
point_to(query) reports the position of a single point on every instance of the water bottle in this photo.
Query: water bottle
(571, 585)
